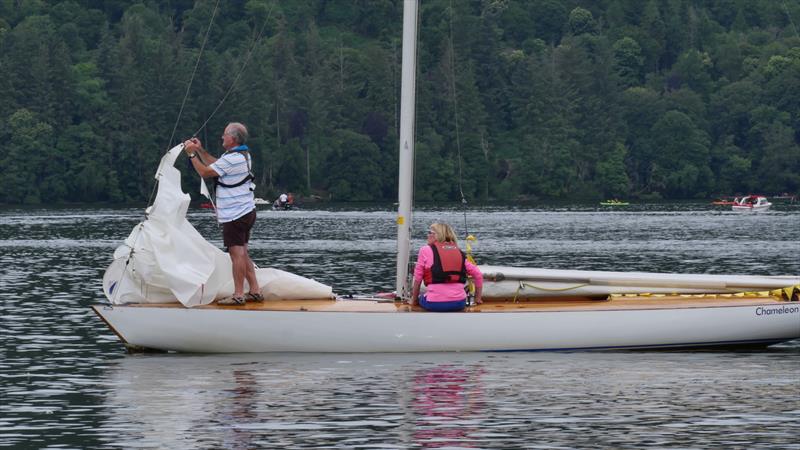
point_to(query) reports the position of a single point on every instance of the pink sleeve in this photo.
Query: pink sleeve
(424, 261)
(475, 273)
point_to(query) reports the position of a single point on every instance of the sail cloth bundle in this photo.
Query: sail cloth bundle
(165, 259)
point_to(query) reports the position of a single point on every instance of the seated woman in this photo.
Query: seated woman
(444, 268)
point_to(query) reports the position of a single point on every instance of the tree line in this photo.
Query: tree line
(516, 100)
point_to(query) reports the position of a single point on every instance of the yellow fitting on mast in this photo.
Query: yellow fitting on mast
(470, 239)
(470, 283)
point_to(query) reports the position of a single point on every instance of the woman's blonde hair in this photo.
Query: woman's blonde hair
(444, 232)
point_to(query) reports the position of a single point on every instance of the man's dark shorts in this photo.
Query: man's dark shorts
(237, 232)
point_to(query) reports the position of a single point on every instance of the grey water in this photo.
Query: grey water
(66, 381)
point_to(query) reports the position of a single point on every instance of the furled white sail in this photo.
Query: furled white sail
(521, 282)
(165, 259)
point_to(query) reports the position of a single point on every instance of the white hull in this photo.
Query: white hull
(751, 208)
(210, 330)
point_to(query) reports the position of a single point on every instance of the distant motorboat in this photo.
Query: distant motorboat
(261, 201)
(284, 202)
(751, 203)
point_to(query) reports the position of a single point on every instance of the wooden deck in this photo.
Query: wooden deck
(368, 305)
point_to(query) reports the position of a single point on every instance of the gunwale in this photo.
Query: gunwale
(371, 305)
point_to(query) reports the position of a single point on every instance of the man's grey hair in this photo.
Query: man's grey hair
(238, 131)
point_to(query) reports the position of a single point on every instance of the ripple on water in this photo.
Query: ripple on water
(64, 380)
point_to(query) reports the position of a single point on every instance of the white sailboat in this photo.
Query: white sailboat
(161, 301)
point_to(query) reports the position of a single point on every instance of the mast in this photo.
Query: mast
(405, 189)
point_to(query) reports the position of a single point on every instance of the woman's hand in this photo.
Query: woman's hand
(415, 292)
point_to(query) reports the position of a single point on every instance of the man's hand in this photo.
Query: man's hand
(192, 145)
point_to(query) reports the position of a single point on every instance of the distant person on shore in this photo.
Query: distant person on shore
(444, 268)
(236, 208)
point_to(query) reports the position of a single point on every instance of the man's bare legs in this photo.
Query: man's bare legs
(242, 268)
(251, 273)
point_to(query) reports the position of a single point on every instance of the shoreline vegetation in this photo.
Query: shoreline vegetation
(517, 101)
(388, 205)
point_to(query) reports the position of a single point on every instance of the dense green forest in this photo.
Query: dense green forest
(516, 100)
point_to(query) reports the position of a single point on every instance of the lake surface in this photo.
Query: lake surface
(66, 382)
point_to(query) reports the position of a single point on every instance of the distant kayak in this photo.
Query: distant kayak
(614, 203)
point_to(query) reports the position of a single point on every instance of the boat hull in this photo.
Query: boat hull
(232, 331)
(751, 208)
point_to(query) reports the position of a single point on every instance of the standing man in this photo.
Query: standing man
(236, 208)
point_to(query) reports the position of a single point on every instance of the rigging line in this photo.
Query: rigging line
(455, 113)
(185, 96)
(191, 79)
(177, 120)
(790, 18)
(256, 40)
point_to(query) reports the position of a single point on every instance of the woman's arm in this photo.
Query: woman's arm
(477, 278)
(423, 257)
(415, 292)
(478, 294)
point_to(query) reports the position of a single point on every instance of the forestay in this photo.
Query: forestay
(165, 259)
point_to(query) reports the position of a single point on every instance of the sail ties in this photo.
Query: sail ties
(791, 293)
(786, 294)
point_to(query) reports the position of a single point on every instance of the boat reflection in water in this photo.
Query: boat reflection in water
(449, 405)
(481, 400)
(285, 400)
